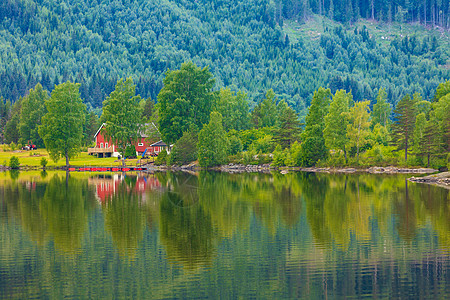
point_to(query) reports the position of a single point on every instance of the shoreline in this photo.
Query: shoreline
(440, 179)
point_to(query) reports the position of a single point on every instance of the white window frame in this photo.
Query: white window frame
(140, 144)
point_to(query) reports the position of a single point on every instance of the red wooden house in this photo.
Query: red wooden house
(105, 148)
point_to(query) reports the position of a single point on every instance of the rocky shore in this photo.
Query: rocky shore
(440, 179)
(266, 168)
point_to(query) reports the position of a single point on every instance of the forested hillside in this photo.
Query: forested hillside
(291, 46)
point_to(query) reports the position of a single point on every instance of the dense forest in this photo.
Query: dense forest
(250, 46)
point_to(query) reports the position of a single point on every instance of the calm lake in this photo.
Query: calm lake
(214, 235)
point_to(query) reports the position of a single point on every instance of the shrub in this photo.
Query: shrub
(44, 162)
(130, 151)
(278, 157)
(185, 149)
(14, 162)
(161, 159)
(13, 146)
(248, 157)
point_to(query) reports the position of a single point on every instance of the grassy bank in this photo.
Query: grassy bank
(33, 159)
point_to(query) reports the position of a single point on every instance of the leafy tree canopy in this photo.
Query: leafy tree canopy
(186, 98)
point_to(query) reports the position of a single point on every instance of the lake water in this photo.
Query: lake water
(213, 235)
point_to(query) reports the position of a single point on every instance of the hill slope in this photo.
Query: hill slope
(95, 42)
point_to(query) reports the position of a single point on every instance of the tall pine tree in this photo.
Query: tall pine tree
(403, 127)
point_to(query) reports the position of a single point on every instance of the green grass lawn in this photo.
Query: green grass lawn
(33, 159)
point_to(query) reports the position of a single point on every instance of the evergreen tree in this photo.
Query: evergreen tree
(33, 108)
(185, 149)
(62, 125)
(381, 110)
(431, 142)
(313, 146)
(91, 126)
(265, 113)
(288, 129)
(11, 133)
(147, 109)
(403, 127)
(212, 142)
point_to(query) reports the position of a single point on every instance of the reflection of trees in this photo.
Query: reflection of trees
(404, 207)
(186, 232)
(220, 195)
(65, 209)
(124, 217)
(56, 209)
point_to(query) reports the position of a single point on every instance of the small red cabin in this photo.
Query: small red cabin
(105, 148)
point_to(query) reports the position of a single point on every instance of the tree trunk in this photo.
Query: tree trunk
(406, 151)
(373, 10)
(425, 12)
(428, 159)
(67, 159)
(345, 155)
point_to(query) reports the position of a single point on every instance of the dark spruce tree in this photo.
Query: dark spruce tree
(403, 127)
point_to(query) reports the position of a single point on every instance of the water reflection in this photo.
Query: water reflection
(308, 235)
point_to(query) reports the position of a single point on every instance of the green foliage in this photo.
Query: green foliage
(162, 158)
(14, 162)
(296, 155)
(278, 157)
(90, 127)
(248, 157)
(250, 135)
(403, 127)
(122, 114)
(62, 125)
(379, 135)
(313, 146)
(147, 108)
(442, 90)
(13, 146)
(265, 113)
(264, 144)
(252, 46)
(32, 110)
(185, 149)
(212, 142)
(288, 129)
(234, 109)
(130, 151)
(11, 132)
(186, 98)
(379, 155)
(335, 132)
(358, 130)
(381, 110)
(43, 162)
(235, 145)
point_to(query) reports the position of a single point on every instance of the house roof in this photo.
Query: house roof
(142, 132)
(159, 143)
(98, 131)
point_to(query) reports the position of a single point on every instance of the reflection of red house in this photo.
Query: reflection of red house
(105, 188)
(105, 148)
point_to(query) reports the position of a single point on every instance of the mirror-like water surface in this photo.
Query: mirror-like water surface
(213, 235)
